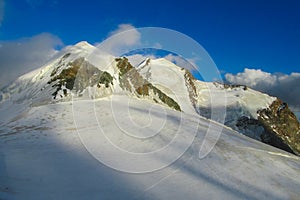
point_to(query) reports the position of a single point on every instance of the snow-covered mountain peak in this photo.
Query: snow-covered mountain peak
(83, 71)
(159, 63)
(81, 49)
(172, 80)
(163, 61)
(84, 44)
(84, 100)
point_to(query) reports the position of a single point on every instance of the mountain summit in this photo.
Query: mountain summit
(82, 71)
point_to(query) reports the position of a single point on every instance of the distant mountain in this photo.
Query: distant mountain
(36, 105)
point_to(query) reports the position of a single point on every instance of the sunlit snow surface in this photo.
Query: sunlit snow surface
(43, 157)
(68, 150)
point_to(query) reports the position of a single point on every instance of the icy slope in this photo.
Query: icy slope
(170, 79)
(42, 156)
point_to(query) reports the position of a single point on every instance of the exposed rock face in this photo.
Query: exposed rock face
(131, 80)
(282, 128)
(190, 84)
(78, 75)
(226, 86)
(250, 127)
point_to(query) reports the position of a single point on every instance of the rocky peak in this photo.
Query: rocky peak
(191, 88)
(78, 75)
(282, 128)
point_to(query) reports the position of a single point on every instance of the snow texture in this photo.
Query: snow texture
(63, 149)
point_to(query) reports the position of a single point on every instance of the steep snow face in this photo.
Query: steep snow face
(241, 106)
(36, 87)
(131, 81)
(247, 100)
(170, 79)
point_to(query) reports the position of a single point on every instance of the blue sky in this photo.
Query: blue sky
(257, 34)
(261, 34)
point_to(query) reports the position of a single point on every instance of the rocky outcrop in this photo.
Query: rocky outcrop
(282, 128)
(191, 88)
(131, 80)
(77, 76)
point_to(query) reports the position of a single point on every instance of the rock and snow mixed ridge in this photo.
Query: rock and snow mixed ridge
(244, 107)
(83, 71)
(37, 119)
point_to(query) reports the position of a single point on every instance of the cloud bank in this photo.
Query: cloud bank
(188, 64)
(121, 40)
(21, 56)
(286, 87)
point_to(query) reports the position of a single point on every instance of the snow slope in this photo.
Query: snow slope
(241, 103)
(42, 156)
(249, 100)
(229, 105)
(119, 144)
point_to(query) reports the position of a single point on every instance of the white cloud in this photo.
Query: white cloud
(121, 40)
(188, 64)
(157, 46)
(21, 56)
(286, 87)
(132, 38)
(1, 11)
(253, 78)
